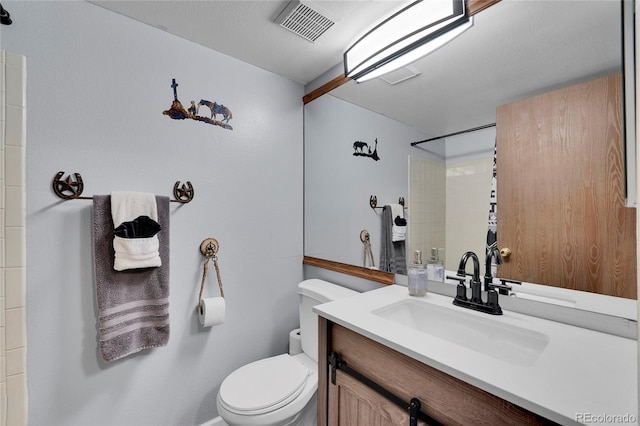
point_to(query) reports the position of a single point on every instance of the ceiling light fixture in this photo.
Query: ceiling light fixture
(408, 35)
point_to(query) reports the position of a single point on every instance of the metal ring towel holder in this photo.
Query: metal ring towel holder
(209, 249)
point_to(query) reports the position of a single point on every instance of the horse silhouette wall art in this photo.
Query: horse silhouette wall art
(362, 149)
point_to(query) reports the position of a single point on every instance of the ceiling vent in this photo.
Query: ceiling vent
(401, 74)
(306, 19)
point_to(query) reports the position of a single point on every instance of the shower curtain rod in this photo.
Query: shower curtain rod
(486, 126)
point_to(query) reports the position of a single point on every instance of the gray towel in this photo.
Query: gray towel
(133, 305)
(392, 254)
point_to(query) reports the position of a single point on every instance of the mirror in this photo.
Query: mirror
(514, 51)
(339, 184)
(449, 201)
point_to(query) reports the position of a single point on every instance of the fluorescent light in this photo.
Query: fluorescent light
(413, 32)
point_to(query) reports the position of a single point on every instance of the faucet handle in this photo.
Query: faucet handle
(506, 280)
(461, 289)
(461, 280)
(502, 288)
(492, 302)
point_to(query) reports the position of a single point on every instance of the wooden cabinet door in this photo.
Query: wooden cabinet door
(560, 169)
(354, 404)
(444, 398)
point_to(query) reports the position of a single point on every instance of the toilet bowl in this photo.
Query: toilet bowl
(271, 391)
(281, 390)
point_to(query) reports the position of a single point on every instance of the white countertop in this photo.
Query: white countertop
(581, 376)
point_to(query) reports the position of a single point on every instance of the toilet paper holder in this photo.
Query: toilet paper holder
(209, 249)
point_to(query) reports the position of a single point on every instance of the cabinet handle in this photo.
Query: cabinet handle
(414, 411)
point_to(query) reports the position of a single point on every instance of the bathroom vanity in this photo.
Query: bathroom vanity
(466, 367)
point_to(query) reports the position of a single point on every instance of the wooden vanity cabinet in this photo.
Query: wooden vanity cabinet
(444, 398)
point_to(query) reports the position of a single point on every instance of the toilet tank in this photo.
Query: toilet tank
(314, 292)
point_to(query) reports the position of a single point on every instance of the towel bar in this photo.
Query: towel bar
(71, 189)
(373, 202)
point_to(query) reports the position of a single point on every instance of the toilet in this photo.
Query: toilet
(281, 390)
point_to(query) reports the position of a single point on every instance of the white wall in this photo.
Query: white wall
(97, 84)
(338, 184)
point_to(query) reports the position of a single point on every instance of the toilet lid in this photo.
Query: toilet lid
(264, 385)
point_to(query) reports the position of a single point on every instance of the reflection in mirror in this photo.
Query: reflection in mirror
(560, 190)
(338, 184)
(589, 213)
(449, 200)
(514, 51)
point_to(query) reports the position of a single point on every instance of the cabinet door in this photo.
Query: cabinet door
(561, 190)
(446, 399)
(354, 404)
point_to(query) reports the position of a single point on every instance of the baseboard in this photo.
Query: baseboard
(215, 422)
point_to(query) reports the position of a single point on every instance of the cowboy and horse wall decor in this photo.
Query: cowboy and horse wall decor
(178, 112)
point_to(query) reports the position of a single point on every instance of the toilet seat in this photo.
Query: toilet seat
(263, 386)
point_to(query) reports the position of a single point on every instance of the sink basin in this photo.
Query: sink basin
(493, 337)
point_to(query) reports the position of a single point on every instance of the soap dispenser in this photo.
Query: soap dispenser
(417, 275)
(435, 267)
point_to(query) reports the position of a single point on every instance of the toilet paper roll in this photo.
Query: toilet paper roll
(211, 311)
(295, 342)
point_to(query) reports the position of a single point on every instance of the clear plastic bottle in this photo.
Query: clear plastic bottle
(439, 268)
(417, 274)
(435, 267)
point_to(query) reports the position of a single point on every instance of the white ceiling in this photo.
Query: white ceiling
(516, 48)
(245, 30)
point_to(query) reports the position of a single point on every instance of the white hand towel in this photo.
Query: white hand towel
(398, 232)
(126, 206)
(397, 210)
(134, 253)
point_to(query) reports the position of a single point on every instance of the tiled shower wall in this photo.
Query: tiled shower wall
(449, 207)
(427, 206)
(13, 380)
